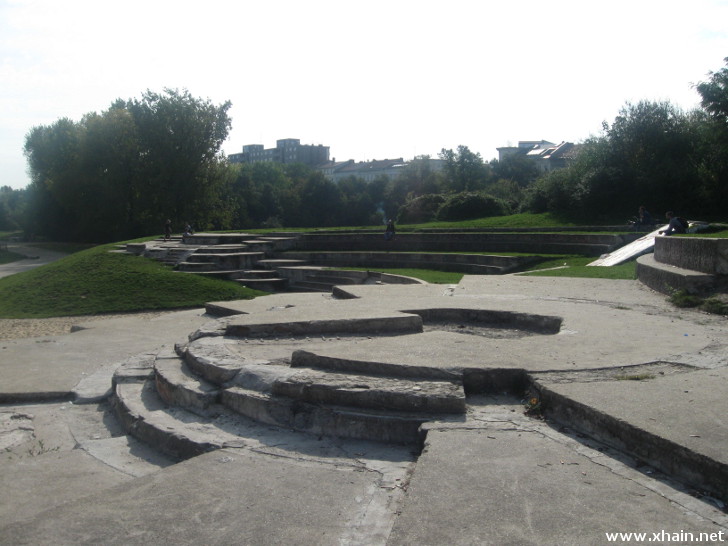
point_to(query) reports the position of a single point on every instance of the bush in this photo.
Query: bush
(420, 209)
(466, 205)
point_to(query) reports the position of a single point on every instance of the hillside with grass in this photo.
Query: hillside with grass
(97, 281)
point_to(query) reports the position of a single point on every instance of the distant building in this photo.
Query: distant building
(367, 170)
(370, 170)
(287, 151)
(546, 155)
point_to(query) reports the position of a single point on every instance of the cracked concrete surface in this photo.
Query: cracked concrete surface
(496, 477)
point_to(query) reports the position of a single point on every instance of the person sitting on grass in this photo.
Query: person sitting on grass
(675, 224)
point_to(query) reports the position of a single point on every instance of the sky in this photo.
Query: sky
(380, 79)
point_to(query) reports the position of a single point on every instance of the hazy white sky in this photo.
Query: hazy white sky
(371, 80)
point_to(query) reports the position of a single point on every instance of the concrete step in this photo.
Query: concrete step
(312, 286)
(371, 392)
(260, 273)
(173, 431)
(224, 256)
(210, 358)
(343, 422)
(266, 285)
(274, 263)
(309, 359)
(197, 267)
(178, 386)
(666, 278)
(226, 274)
(222, 249)
(260, 243)
(332, 279)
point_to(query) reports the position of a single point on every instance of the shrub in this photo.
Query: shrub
(466, 205)
(420, 209)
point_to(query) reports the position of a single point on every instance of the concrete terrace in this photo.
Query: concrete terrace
(502, 410)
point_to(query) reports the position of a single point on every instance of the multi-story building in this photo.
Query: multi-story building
(287, 151)
(290, 150)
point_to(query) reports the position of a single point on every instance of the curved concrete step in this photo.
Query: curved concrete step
(178, 386)
(308, 359)
(212, 359)
(344, 422)
(381, 393)
(267, 285)
(173, 431)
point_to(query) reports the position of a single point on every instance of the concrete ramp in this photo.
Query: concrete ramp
(643, 245)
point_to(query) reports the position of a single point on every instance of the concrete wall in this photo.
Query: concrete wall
(698, 254)
(547, 243)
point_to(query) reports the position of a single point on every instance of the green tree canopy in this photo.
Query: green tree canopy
(465, 170)
(120, 173)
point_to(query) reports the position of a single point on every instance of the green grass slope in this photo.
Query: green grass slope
(97, 281)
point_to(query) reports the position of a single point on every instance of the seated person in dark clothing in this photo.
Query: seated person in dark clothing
(675, 224)
(644, 218)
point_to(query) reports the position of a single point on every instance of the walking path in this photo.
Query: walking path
(70, 475)
(35, 257)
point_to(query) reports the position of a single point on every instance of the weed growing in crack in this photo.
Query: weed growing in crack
(41, 449)
(532, 404)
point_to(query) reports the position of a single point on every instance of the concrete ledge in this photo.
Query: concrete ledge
(586, 244)
(682, 449)
(698, 254)
(178, 387)
(389, 427)
(666, 278)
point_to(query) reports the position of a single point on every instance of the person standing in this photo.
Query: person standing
(168, 230)
(390, 231)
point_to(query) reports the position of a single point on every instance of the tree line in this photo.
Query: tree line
(121, 173)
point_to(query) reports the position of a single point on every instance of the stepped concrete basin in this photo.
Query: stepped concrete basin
(278, 424)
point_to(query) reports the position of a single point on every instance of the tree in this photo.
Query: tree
(419, 178)
(464, 170)
(321, 202)
(53, 153)
(179, 138)
(12, 207)
(517, 168)
(118, 174)
(714, 93)
(713, 139)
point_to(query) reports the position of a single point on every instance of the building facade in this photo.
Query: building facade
(287, 151)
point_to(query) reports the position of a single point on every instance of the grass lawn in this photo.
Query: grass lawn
(96, 281)
(428, 275)
(551, 266)
(576, 266)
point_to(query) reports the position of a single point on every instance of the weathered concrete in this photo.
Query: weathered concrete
(696, 253)
(506, 484)
(495, 476)
(54, 365)
(667, 278)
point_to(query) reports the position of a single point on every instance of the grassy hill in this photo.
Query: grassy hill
(96, 281)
